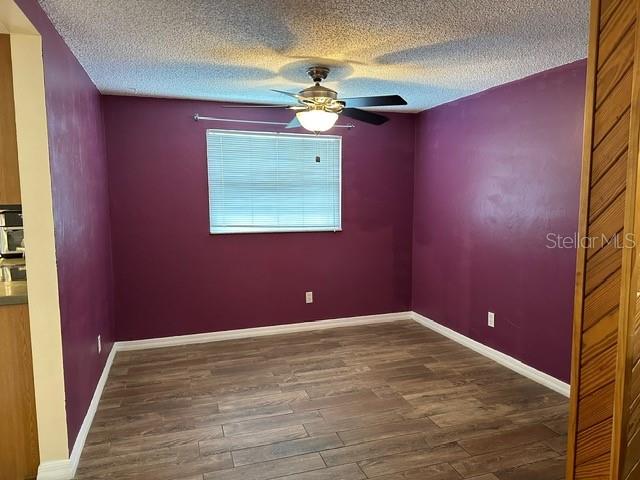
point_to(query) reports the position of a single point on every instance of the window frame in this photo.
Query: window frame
(269, 230)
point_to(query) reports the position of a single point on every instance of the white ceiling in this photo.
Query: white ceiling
(428, 51)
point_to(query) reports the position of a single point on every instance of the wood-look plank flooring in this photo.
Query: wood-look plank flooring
(391, 401)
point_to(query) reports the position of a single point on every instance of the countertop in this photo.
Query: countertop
(13, 293)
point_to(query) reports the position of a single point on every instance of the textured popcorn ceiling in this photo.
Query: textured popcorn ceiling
(428, 51)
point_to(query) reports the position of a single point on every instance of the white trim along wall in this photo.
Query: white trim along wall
(497, 356)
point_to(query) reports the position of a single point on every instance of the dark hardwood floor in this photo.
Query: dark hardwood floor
(390, 401)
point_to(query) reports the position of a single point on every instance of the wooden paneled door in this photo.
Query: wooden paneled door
(604, 435)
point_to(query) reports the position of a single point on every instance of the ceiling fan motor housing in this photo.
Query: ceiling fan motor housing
(318, 97)
(321, 98)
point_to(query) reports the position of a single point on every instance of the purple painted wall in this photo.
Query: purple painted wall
(81, 216)
(494, 173)
(172, 277)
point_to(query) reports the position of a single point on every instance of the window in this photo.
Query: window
(273, 182)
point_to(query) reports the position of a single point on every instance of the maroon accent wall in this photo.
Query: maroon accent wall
(81, 216)
(494, 173)
(172, 277)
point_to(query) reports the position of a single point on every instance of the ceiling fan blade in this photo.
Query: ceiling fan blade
(294, 95)
(364, 116)
(379, 101)
(294, 123)
(257, 106)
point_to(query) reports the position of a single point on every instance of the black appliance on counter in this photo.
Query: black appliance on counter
(11, 231)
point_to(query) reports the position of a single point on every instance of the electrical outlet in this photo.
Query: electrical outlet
(99, 344)
(308, 297)
(491, 319)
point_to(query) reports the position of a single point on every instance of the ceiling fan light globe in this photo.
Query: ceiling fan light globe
(317, 120)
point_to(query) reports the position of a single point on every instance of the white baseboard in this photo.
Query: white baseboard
(495, 355)
(66, 469)
(261, 331)
(499, 357)
(91, 412)
(55, 470)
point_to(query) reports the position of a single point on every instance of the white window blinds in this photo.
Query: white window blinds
(273, 182)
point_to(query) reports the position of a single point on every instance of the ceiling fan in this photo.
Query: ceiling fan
(319, 107)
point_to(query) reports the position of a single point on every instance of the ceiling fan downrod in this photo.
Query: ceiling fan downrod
(318, 73)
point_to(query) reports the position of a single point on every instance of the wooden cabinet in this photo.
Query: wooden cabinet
(19, 456)
(9, 177)
(604, 433)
